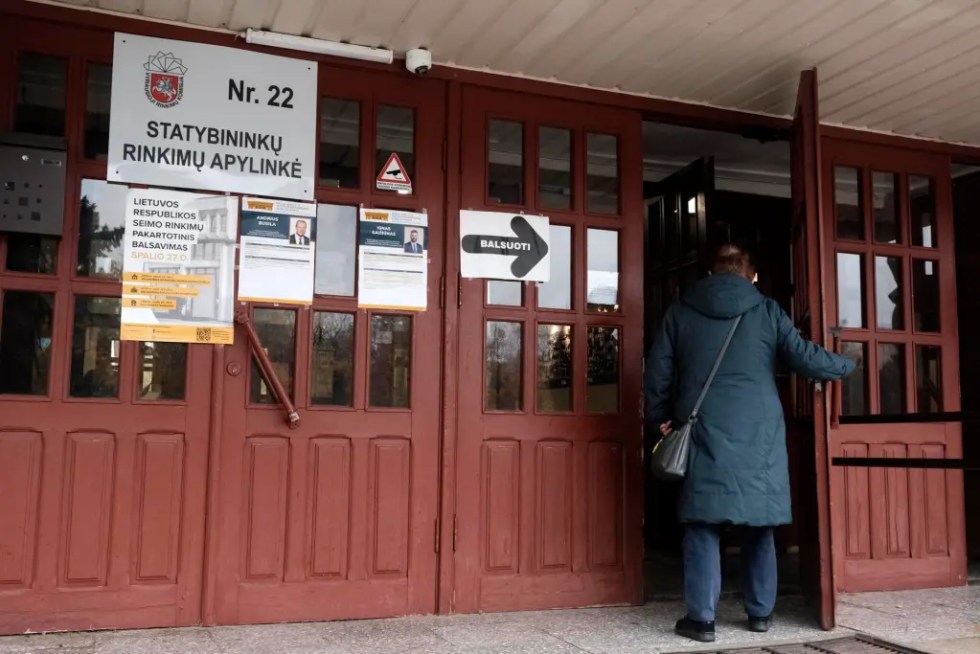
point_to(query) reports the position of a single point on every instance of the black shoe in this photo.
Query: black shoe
(760, 625)
(703, 632)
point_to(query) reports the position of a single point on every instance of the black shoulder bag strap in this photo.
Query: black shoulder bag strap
(714, 370)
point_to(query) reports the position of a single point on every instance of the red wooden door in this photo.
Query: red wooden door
(337, 519)
(548, 480)
(807, 418)
(103, 443)
(890, 280)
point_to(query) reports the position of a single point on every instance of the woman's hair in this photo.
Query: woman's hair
(731, 259)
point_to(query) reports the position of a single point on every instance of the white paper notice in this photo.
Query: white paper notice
(178, 267)
(277, 251)
(393, 255)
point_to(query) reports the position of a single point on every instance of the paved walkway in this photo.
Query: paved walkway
(941, 622)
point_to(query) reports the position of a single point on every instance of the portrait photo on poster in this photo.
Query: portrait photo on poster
(299, 231)
(414, 242)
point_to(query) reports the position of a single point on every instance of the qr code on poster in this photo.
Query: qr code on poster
(203, 334)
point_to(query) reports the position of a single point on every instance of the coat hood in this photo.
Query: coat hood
(723, 296)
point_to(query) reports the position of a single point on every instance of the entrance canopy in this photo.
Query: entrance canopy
(902, 66)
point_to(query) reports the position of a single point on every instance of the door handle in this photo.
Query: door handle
(265, 367)
(836, 387)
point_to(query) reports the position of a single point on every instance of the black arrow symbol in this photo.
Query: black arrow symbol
(394, 172)
(526, 245)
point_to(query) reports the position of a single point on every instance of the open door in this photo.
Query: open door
(678, 229)
(808, 421)
(677, 232)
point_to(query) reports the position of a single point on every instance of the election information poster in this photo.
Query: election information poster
(501, 245)
(179, 267)
(190, 115)
(393, 256)
(277, 251)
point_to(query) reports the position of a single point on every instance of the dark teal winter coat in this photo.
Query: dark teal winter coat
(737, 472)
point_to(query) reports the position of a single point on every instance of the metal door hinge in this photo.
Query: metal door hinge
(438, 536)
(459, 292)
(455, 532)
(442, 292)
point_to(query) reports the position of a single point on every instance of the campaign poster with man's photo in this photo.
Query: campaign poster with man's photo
(392, 260)
(277, 251)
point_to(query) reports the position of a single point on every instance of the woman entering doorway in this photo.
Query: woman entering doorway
(738, 472)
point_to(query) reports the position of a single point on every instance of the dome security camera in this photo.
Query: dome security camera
(418, 61)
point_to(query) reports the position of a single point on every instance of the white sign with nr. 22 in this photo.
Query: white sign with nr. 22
(190, 115)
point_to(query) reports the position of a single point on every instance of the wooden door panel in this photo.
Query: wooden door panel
(328, 506)
(913, 520)
(547, 502)
(20, 486)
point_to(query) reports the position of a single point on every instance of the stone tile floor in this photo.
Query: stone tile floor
(940, 622)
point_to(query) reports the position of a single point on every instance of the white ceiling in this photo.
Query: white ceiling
(905, 66)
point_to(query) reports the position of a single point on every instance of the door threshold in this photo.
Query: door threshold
(859, 644)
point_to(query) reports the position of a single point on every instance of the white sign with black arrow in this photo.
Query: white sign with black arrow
(498, 245)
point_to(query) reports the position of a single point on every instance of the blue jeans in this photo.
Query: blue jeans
(702, 571)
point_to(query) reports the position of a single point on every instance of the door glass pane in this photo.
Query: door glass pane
(101, 225)
(332, 362)
(925, 295)
(922, 211)
(29, 253)
(885, 190)
(163, 371)
(391, 351)
(97, 99)
(505, 170)
(41, 95)
(689, 227)
(554, 168)
(554, 368)
(556, 293)
(25, 342)
(602, 391)
(504, 389)
(340, 143)
(505, 294)
(854, 393)
(850, 289)
(276, 329)
(928, 379)
(95, 347)
(847, 203)
(602, 178)
(888, 293)
(603, 273)
(395, 134)
(891, 379)
(336, 250)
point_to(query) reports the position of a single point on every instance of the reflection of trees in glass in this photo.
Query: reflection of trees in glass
(603, 352)
(554, 356)
(391, 341)
(97, 241)
(503, 372)
(333, 354)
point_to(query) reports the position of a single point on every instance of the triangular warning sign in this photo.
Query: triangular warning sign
(393, 176)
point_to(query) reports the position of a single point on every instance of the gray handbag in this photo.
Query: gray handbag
(668, 461)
